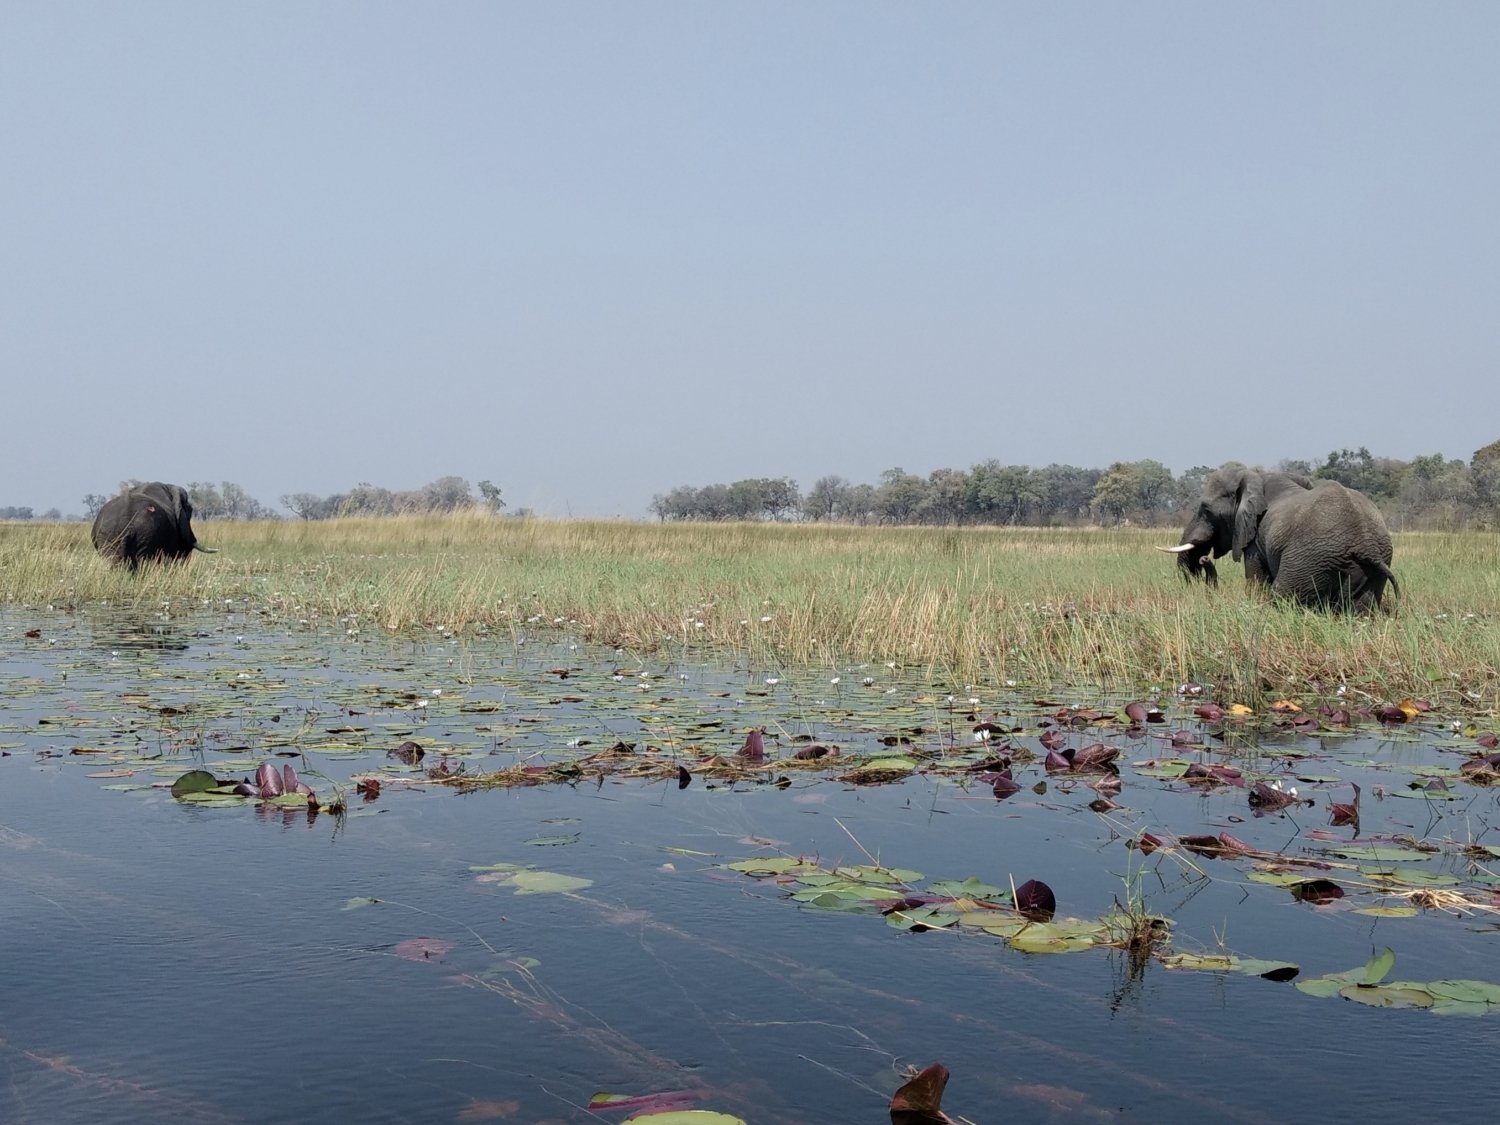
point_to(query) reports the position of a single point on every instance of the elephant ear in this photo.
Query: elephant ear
(1247, 517)
(182, 511)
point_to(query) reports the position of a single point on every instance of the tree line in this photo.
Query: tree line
(228, 501)
(1426, 492)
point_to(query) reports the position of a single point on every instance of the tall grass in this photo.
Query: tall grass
(1042, 607)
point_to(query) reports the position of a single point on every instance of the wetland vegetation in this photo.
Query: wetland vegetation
(611, 820)
(1041, 607)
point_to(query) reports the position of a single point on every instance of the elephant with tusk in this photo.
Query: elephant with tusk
(150, 522)
(1314, 542)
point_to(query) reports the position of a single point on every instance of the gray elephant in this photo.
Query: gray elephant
(150, 522)
(1314, 542)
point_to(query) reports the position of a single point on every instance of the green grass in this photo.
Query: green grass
(1043, 607)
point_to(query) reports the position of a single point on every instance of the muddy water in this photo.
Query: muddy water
(196, 962)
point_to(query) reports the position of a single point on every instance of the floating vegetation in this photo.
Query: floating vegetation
(1025, 917)
(1367, 985)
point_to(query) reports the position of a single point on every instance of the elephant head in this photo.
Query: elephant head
(149, 522)
(1226, 520)
(1319, 544)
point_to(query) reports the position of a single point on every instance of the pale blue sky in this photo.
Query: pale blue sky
(592, 251)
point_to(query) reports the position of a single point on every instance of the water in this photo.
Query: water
(170, 962)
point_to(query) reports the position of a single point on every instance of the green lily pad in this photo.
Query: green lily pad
(1427, 794)
(1321, 986)
(1065, 936)
(968, 888)
(770, 865)
(845, 890)
(1459, 1008)
(1468, 991)
(215, 800)
(1277, 878)
(929, 917)
(547, 882)
(1387, 996)
(194, 781)
(1381, 853)
(891, 876)
(1230, 963)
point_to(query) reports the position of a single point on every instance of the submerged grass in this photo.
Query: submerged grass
(1042, 607)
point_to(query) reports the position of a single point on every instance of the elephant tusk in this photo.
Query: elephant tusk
(205, 550)
(1176, 550)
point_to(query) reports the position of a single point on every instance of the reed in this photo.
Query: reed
(1042, 607)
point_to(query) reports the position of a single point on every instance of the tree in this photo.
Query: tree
(1067, 491)
(1115, 493)
(240, 505)
(1435, 493)
(826, 499)
(780, 497)
(1377, 478)
(491, 496)
(899, 496)
(311, 506)
(860, 504)
(365, 499)
(1484, 475)
(679, 504)
(944, 502)
(1190, 485)
(745, 499)
(1142, 490)
(206, 501)
(997, 493)
(92, 503)
(447, 494)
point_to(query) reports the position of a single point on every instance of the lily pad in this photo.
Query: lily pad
(1381, 853)
(546, 883)
(194, 781)
(1387, 996)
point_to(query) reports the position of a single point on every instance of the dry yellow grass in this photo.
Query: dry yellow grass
(1042, 607)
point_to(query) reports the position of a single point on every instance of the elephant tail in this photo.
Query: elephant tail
(1385, 569)
(1377, 572)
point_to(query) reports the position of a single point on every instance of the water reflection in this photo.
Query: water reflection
(139, 632)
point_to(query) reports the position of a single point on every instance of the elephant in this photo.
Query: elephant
(149, 522)
(1317, 543)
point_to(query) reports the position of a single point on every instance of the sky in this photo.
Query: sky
(595, 251)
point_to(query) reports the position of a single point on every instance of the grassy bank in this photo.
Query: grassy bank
(1040, 607)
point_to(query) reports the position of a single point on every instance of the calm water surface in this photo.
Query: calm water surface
(179, 963)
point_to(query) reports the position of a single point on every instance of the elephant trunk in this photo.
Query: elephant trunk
(1194, 560)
